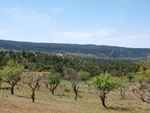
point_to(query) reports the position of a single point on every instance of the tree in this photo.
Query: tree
(23, 53)
(1, 79)
(85, 76)
(141, 89)
(122, 88)
(53, 81)
(130, 76)
(45, 79)
(72, 76)
(33, 81)
(105, 83)
(13, 73)
(57, 68)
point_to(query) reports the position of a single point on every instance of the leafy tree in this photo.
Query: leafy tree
(13, 73)
(85, 76)
(57, 68)
(23, 53)
(105, 83)
(142, 88)
(53, 81)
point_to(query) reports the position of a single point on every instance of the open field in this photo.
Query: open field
(63, 102)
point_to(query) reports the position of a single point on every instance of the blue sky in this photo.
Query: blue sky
(102, 22)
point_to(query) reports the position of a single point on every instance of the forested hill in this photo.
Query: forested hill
(75, 49)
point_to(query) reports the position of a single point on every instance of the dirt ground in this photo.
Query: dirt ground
(63, 102)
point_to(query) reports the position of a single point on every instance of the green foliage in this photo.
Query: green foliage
(53, 81)
(35, 61)
(7, 88)
(143, 75)
(67, 90)
(84, 76)
(105, 82)
(79, 96)
(13, 73)
(54, 78)
(130, 76)
(57, 68)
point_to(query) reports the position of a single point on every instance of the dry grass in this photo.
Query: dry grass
(63, 102)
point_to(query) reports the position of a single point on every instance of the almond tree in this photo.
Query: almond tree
(53, 81)
(105, 83)
(33, 81)
(72, 76)
(85, 76)
(13, 73)
(141, 89)
(45, 79)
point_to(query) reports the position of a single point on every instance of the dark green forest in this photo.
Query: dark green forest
(86, 51)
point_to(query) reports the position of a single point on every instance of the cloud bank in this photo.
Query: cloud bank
(28, 17)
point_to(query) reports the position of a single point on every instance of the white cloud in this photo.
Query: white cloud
(84, 34)
(28, 17)
(4, 31)
(56, 9)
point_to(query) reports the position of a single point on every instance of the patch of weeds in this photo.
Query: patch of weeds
(60, 95)
(118, 108)
(7, 88)
(90, 92)
(67, 90)
(79, 96)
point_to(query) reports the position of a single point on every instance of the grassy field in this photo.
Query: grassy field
(63, 102)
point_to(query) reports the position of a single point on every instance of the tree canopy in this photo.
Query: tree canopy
(13, 73)
(105, 83)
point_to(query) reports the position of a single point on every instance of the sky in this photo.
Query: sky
(124, 23)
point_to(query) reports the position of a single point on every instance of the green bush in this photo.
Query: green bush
(67, 90)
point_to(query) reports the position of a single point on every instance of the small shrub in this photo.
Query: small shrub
(67, 90)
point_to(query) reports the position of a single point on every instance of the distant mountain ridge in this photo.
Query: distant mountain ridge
(76, 49)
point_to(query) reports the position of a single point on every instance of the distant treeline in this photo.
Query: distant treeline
(100, 51)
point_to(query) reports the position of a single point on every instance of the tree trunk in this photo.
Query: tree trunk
(12, 90)
(52, 92)
(76, 94)
(103, 102)
(33, 96)
(122, 93)
(46, 86)
(103, 99)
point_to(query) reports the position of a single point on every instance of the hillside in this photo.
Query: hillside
(92, 51)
